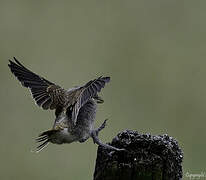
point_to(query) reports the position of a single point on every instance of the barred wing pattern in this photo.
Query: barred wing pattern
(86, 92)
(45, 93)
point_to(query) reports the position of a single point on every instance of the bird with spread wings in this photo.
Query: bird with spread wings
(75, 108)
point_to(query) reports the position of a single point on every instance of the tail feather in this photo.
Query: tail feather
(48, 133)
(42, 146)
(44, 138)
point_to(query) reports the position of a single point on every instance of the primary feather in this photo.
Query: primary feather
(45, 93)
(51, 96)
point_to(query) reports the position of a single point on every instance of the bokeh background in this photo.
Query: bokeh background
(154, 51)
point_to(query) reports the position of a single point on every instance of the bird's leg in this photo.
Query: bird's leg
(101, 127)
(97, 132)
(94, 135)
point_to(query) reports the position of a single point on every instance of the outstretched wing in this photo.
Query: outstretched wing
(45, 93)
(83, 94)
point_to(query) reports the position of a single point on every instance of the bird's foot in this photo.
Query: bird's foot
(97, 141)
(102, 126)
(95, 132)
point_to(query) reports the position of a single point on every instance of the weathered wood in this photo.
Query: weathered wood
(146, 157)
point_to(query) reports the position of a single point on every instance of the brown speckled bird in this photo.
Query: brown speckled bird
(75, 108)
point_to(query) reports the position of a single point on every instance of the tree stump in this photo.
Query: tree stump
(146, 157)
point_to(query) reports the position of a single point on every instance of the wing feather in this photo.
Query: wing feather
(87, 92)
(45, 93)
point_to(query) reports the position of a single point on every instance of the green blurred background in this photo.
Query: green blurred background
(154, 51)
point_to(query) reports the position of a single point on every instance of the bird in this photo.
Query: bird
(75, 108)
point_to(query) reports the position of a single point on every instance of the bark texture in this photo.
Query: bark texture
(146, 157)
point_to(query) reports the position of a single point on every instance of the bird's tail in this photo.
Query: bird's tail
(44, 139)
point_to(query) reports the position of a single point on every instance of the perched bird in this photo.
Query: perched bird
(75, 108)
